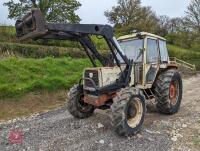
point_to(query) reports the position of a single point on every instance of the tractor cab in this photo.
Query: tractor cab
(148, 52)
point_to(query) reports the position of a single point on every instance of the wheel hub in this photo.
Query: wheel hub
(84, 107)
(173, 92)
(134, 113)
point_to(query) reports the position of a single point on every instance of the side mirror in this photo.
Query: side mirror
(140, 53)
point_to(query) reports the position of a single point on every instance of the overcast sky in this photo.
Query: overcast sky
(92, 11)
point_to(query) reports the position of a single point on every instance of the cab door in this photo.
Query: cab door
(152, 61)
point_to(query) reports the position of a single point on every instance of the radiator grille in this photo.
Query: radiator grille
(92, 74)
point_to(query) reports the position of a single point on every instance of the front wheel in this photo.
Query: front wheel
(128, 111)
(76, 105)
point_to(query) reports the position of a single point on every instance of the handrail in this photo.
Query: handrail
(183, 63)
(178, 60)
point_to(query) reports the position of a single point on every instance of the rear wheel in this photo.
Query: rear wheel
(128, 111)
(168, 91)
(76, 105)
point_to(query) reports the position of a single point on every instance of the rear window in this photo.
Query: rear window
(163, 51)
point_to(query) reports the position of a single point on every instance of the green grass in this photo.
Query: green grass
(20, 76)
(182, 53)
(7, 33)
(187, 55)
(196, 141)
(7, 30)
(38, 51)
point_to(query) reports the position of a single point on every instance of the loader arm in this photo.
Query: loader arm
(34, 26)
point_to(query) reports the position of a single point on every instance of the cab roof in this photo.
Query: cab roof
(142, 34)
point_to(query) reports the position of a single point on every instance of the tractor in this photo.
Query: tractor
(136, 70)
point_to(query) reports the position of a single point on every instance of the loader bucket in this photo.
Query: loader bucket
(32, 25)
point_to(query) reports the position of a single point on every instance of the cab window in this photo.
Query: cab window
(152, 51)
(163, 51)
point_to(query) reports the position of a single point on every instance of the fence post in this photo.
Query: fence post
(194, 69)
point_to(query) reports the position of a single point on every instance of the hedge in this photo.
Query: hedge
(38, 51)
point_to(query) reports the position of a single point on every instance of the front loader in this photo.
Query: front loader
(136, 70)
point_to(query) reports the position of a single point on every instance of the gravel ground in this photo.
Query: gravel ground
(58, 130)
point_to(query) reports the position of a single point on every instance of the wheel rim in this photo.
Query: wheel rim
(174, 92)
(134, 113)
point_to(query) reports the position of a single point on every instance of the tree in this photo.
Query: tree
(54, 10)
(126, 12)
(148, 20)
(129, 15)
(177, 25)
(164, 25)
(193, 15)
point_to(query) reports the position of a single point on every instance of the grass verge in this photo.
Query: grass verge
(20, 76)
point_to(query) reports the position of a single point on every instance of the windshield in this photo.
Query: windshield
(133, 49)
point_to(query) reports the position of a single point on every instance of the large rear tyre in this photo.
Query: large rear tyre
(168, 90)
(128, 111)
(76, 105)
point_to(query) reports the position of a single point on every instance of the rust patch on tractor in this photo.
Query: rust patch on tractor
(172, 65)
(98, 100)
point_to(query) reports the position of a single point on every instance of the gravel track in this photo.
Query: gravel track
(58, 130)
